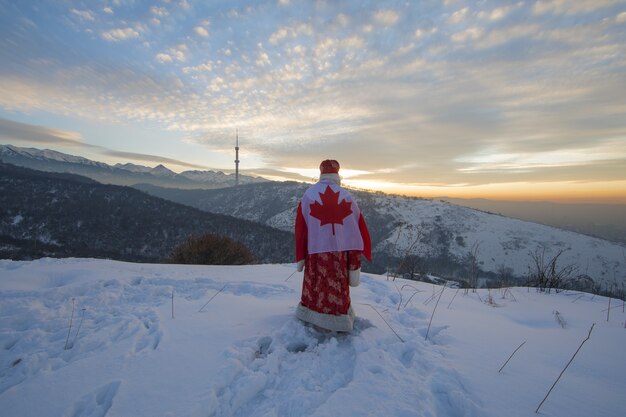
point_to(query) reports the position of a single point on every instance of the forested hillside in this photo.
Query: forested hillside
(48, 214)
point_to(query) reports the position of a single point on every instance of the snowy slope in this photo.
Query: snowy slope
(502, 241)
(242, 353)
(443, 230)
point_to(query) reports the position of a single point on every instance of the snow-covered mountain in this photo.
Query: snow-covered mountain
(162, 171)
(436, 235)
(83, 337)
(118, 174)
(9, 152)
(133, 167)
(214, 177)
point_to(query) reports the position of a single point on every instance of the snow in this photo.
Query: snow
(47, 154)
(502, 241)
(134, 167)
(234, 348)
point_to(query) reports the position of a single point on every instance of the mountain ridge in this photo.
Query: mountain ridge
(118, 174)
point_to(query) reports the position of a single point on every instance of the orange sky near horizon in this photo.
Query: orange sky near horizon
(609, 192)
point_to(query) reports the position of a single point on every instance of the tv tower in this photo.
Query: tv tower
(237, 159)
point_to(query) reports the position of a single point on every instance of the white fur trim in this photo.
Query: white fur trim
(342, 323)
(355, 277)
(331, 177)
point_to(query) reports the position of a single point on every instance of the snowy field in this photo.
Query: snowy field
(234, 348)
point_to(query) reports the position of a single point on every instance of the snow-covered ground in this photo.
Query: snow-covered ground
(234, 347)
(502, 241)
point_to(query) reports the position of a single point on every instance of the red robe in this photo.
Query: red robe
(325, 299)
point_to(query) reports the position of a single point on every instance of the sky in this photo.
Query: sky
(521, 100)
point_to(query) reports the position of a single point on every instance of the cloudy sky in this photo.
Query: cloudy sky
(510, 100)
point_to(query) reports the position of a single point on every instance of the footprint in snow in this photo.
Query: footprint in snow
(320, 362)
(149, 332)
(96, 403)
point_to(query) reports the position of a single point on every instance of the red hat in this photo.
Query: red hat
(329, 166)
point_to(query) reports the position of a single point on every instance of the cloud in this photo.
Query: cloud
(120, 34)
(263, 59)
(159, 11)
(83, 14)
(572, 7)
(204, 67)
(278, 36)
(22, 132)
(150, 158)
(495, 160)
(200, 31)
(178, 53)
(505, 35)
(470, 34)
(386, 17)
(163, 58)
(459, 16)
(290, 32)
(343, 20)
(498, 13)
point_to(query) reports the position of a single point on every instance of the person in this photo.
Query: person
(331, 235)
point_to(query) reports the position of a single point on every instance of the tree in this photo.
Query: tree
(211, 249)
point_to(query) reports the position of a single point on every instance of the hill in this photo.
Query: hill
(605, 221)
(49, 214)
(170, 340)
(429, 236)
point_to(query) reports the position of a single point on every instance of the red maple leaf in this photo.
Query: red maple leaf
(331, 211)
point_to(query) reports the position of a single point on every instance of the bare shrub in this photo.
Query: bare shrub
(546, 275)
(471, 259)
(559, 319)
(411, 266)
(211, 250)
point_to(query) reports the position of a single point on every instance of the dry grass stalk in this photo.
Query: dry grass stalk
(210, 299)
(455, 293)
(514, 352)
(70, 329)
(387, 323)
(433, 314)
(563, 371)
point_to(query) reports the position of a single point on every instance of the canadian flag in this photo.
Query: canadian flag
(329, 220)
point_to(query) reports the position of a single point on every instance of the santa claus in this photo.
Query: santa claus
(331, 236)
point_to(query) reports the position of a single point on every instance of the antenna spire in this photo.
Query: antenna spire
(237, 158)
